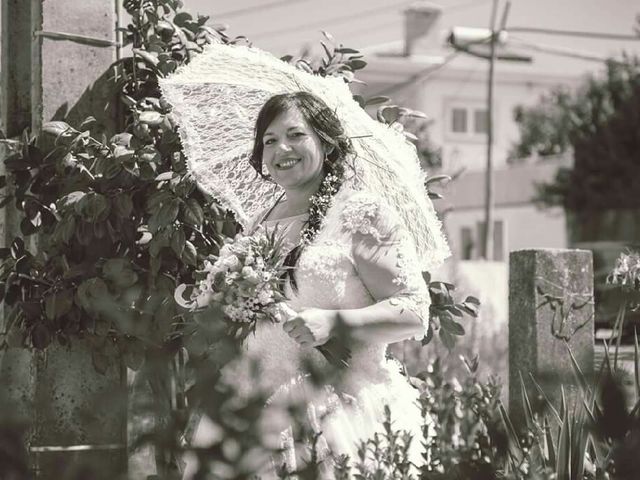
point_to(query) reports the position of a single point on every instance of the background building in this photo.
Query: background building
(423, 71)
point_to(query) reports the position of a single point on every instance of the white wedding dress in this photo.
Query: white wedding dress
(361, 255)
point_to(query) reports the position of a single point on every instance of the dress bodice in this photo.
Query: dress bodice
(359, 256)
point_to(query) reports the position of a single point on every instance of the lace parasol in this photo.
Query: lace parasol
(216, 99)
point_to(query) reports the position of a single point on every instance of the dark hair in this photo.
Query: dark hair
(322, 120)
(325, 123)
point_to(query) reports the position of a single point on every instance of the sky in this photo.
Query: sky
(287, 26)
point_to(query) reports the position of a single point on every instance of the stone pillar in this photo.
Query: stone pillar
(550, 305)
(52, 53)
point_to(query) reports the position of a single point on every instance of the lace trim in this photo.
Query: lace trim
(217, 96)
(360, 214)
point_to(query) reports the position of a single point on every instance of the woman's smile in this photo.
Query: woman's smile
(293, 152)
(287, 163)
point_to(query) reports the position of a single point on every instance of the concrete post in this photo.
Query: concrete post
(550, 306)
(75, 419)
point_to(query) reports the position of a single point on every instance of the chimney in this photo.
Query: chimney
(421, 21)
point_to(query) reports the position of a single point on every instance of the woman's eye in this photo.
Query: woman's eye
(269, 141)
(297, 134)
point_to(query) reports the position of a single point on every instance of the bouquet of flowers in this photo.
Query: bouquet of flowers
(245, 281)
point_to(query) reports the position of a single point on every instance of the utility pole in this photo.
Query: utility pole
(471, 41)
(487, 231)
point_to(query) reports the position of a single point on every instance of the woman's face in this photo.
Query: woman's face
(293, 152)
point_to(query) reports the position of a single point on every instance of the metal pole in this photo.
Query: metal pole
(487, 244)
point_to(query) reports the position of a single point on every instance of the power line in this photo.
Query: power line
(365, 13)
(325, 21)
(257, 9)
(575, 33)
(559, 51)
(422, 75)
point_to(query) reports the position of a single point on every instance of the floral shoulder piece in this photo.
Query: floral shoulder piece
(363, 213)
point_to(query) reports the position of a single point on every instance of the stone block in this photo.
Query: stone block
(68, 68)
(550, 308)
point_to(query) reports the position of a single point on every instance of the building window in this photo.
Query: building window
(459, 120)
(480, 124)
(499, 243)
(467, 121)
(466, 243)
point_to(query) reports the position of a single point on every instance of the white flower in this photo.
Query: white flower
(250, 275)
(231, 263)
(265, 297)
(225, 251)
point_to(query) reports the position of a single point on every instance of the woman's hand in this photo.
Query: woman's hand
(311, 327)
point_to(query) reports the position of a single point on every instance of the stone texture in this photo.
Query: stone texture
(15, 99)
(69, 68)
(550, 305)
(67, 401)
(75, 405)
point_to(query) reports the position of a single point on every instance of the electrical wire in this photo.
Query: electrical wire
(257, 9)
(575, 33)
(559, 51)
(420, 76)
(337, 20)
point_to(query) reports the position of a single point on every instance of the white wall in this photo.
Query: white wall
(525, 227)
(458, 88)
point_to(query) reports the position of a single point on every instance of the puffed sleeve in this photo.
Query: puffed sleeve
(385, 255)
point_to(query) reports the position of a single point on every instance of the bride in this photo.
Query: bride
(353, 264)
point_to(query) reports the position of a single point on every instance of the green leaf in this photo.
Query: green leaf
(56, 128)
(357, 64)
(149, 57)
(428, 337)
(376, 100)
(470, 309)
(151, 118)
(189, 254)
(122, 154)
(511, 433)
(27, 227)
(182, 18)
(328, 36)
(178, 241)
(123, 205)
(17, 248)
(93, 207)
(447, 323)
(345, 50)
(166, 215)
(472, 300)
(192, 213)
(67, 228)
(447, 339)
(70, 199)
(563, 460)
(121, 139)
(119, 272)
(58, 304)
(388, 113)
(165, 176)
(87, 123)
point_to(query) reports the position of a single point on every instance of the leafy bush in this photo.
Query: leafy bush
(112, 223)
